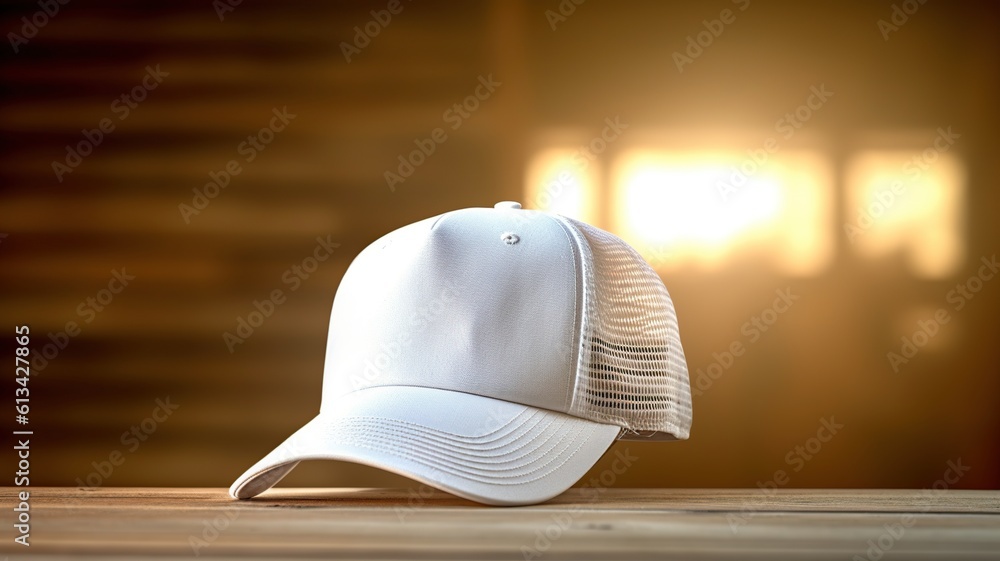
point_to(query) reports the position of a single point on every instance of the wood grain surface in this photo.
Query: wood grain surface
(421, 523)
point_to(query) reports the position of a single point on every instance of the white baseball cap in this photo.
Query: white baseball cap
(494, 353)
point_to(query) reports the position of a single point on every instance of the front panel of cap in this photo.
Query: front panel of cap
(482, 301)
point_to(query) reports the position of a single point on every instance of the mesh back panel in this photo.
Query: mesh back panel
(631, 369)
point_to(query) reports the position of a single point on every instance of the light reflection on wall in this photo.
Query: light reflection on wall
(687, 206)
(907, 201)
(558, 180)
(694, 209)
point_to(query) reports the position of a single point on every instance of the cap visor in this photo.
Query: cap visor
(479, 448)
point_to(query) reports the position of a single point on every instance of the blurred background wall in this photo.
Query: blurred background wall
(816, 183)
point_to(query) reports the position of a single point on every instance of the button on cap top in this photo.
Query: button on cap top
(507, 204)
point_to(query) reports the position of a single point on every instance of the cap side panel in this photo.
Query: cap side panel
(632, 370)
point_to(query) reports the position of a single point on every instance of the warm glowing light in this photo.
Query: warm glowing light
(707, 207)
(906, 201)
(562, 181)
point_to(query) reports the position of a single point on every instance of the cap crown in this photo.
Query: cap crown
(517, 305)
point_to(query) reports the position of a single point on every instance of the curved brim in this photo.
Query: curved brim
(479, 448)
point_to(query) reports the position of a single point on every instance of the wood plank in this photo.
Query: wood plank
(426, 524)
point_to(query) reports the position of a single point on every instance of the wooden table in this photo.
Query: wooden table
(617, 524)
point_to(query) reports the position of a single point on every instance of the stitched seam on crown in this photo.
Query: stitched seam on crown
(577, 309)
